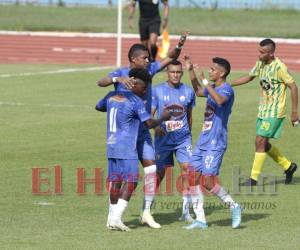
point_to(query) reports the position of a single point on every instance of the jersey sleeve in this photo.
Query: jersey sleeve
(102, 103)
(255, 70)
(154, 67)
(285, 75)
(205, 92)
(226, 92)
(141, 111)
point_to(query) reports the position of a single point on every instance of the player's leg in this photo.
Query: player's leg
(272, 151)
(144, 32)
(196, 192)
(115, 180)
(210, 167)
(154, 33)
(130, 177)
(147, 157)
(183, 156)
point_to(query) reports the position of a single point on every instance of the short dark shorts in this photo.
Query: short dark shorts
(148, 26)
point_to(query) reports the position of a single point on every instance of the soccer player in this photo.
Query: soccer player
(138, 56)
(149, 22)
(274, 80)
(212, 143)
(125, 112)
(174, 136)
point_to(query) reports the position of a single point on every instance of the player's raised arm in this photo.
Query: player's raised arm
(242, 80)
(107, 81)
(294, 100)
(174, 54)
(195, 83)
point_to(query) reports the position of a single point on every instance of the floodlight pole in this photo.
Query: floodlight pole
(119, 36)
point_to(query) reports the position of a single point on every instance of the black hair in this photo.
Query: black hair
(223, 63)
(175, 62)
(141, 74)
(266, 42)
(134, 48)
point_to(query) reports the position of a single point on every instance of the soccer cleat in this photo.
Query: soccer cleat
(149, 220)
(186, 218)
(197, 224)
(289, 173)
(236, 215)
(117, 224)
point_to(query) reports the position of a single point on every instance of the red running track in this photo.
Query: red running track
(50, 49)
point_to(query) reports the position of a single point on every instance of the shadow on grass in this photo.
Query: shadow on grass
(245, 219)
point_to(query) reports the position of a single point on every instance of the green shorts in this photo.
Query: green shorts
(269, 127)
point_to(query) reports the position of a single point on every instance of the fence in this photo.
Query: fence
(221, 4)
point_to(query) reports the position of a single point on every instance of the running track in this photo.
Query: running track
(100, 49)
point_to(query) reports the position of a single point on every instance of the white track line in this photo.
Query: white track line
(59, 71)
(136, 36)
(50, 105)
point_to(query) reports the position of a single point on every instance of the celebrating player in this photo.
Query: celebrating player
(174, 136)
(138, 56)
(274, 80)
(212, 143)
(125, 112)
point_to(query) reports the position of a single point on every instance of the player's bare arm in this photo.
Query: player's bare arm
(174, 54)
(242, 80)
(294, 100)
(195, 83)
(219, 99)
(158, 130)
(152, 123)
(165, 14)
(107, 81)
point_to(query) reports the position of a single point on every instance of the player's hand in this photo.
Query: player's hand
(295, 119)
(159, 132)
(128, 82)
(188, 63)
(166, 115)
(182, 39)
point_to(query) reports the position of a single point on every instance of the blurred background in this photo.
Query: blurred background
(209, 4)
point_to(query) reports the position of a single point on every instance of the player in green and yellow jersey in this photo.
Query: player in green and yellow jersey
(274, 80)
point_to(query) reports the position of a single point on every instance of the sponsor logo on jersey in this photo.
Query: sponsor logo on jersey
(176, 110)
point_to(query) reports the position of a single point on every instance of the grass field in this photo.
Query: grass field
(271, 23)
(49, 119)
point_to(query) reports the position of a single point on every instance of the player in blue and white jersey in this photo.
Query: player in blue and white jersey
(174, 136)
(212, 143)
(125, 112)
(138, 57)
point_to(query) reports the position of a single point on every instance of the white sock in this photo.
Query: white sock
(186, 200)
(119, 208)
(224, 196)
(197, 200)
(149, 186)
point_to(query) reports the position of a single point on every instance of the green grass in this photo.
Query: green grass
(39, 131)
(261, 23)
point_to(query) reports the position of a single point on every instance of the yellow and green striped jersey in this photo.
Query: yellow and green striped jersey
(274, 78)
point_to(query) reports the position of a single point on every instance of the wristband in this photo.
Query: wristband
(114, 79)
(296, 123)
(205, 82)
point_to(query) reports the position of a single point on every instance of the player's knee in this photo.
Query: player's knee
(193, 178)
